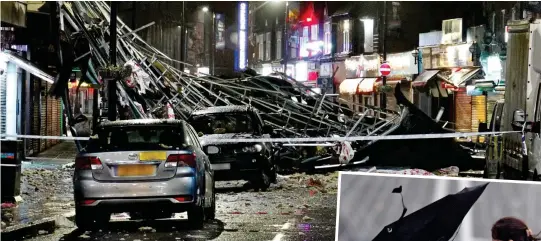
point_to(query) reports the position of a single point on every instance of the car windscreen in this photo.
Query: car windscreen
(138, 138)
(222, 123)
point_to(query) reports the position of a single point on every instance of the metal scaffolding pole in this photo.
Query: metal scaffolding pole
(111, 85)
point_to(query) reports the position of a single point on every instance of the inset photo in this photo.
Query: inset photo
(384, 207)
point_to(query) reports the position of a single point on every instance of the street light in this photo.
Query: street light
(415, 54)
(205, 9)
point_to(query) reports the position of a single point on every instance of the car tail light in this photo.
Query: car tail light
(181, 160)
(183, 198)
(88, 162)
(87, 202)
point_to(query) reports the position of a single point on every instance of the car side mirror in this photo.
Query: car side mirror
(483, 127)
(519, 120)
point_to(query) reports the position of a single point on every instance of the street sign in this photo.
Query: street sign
(384, 69)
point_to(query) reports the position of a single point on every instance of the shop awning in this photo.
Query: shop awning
(485, 84)
(349, 86)
(391, 81)
(366, 86)
(27, 66)
(424, 77)
(460, 76)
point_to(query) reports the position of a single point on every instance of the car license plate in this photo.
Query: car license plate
(153, 156)
(135, 170)
(221, 166)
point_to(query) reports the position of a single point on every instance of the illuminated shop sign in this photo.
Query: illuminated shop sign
(312, 48)
(242, 35)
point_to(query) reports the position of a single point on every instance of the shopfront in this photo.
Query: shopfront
(403, 68)
(81, 95)
(448, 81)
(361, 73)
(493, 84)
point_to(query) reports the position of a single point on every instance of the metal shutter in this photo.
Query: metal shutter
(36, 115)
(49, 116)
(491, 102)
(3, 102)
(463, 111)
(43, 116)
(479, 114)
(57, 118)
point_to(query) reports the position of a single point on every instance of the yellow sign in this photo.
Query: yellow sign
(153, 156)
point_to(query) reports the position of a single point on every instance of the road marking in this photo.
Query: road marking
(284, 227)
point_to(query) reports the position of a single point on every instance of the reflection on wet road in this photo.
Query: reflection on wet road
(296, 209)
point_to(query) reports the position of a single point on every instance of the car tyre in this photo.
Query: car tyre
(210, 213)
(263, 182)
(87, 222)
(274, 174)
(196, 216)
(83, 220)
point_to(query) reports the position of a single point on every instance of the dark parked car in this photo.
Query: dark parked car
(236, 161)
(149, 168)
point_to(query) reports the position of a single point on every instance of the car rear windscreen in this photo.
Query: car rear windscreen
(139, 138)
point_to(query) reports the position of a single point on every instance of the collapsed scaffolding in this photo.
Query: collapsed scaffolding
(148, 86)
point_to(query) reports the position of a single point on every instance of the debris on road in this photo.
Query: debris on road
(452, 171)
(46, 190)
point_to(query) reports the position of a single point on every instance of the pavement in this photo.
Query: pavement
(298, 207)
(60, 152)
(46, 191)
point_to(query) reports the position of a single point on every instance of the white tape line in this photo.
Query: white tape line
(69, 138)
(362, 138)
(307, 139)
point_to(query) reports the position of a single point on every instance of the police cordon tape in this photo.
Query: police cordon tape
(302, 139)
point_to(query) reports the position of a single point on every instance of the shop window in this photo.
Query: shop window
(304, 42)
(367, 100)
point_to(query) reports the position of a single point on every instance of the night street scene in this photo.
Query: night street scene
(232, 120)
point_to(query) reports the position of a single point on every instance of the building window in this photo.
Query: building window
(327, 39)
(260, 45)
(347, 47)
(279, 44)
(304, 42)
(268, 46)
(314, 32)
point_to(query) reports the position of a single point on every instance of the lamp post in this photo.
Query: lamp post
(286, 38)
(383, 99)
(210, 38)
(183, 35)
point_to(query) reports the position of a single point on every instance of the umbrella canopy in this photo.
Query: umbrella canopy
(437, 221)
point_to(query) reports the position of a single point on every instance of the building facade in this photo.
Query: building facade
(26, 108)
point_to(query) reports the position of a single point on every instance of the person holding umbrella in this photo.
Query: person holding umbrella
(512, 229)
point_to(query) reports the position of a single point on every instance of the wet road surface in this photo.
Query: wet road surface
(299, 207)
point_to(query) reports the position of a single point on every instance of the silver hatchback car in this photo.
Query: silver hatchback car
(149, 168)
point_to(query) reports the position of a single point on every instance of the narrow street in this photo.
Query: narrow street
(298, 207)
